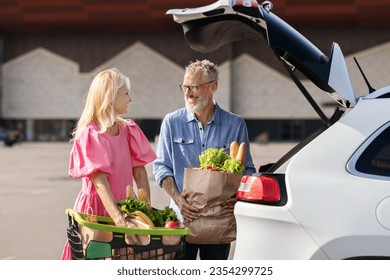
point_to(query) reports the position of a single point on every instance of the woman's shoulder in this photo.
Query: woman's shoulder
(92, 126)
(91, 129)
(129, 123)
(130, 126)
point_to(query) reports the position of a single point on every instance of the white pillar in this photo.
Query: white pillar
(30, 133)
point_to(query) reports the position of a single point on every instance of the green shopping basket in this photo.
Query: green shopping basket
(103, 240)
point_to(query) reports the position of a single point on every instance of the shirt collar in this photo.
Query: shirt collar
(216, 116)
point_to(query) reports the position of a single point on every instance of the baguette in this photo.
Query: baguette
(130, 192)
(233, 149)
(144, 196)
(241, 153)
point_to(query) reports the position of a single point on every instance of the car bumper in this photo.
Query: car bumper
(271, 233)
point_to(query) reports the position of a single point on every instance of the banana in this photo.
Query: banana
(141, 216)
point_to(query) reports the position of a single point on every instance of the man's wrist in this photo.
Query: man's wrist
(168, 184)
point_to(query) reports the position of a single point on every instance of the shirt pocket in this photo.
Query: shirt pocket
(184, 148)
(183, 141)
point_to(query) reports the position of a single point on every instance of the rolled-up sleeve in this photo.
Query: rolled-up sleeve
(162, 166)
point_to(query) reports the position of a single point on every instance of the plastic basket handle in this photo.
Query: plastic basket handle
(102, 225)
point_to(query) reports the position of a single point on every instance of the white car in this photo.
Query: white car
(329, 197)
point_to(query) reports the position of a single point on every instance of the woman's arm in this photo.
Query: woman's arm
(141, 179)
(103, 189)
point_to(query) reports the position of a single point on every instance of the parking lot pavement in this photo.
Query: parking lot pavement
(35, 191)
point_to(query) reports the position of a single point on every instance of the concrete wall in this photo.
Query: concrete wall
(41, 84)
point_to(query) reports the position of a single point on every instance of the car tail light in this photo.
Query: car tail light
(259, 188)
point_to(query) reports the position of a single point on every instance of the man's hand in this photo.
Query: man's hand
(229, 204)
(188, 211)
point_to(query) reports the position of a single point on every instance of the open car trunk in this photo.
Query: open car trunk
(209, 27)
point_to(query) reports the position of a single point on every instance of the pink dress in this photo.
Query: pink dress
(113, 155)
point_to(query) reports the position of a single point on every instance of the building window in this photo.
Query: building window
(375, 159)
(52, 130)
(292, 130)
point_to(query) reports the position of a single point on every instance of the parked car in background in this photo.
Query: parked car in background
(329, 197)
(6, 137)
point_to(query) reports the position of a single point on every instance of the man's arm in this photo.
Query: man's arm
(188, 211)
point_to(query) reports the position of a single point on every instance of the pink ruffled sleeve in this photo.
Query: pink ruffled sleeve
(89, 155)
(141, 150)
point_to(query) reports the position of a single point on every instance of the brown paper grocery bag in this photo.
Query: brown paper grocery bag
(207, 190)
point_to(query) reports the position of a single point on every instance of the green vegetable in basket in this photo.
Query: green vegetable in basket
(158, 217)
(130, 205)
(161, 217)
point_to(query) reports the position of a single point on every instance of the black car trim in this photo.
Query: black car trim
(306, 94)
(369, 258)
(386, 95)
(354, 160)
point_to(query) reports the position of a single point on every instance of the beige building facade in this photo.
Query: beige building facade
(50, 51)
(43, 91)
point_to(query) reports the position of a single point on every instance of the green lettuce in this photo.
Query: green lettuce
(233, 165)
(218, 160)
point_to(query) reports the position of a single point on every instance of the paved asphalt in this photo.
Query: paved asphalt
(35, 191)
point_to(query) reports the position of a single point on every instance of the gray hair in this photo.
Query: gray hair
(208, 68)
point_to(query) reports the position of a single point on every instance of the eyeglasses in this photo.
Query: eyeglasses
(193, 88)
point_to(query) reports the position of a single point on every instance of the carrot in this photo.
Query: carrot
(233, 149)
(241, 153)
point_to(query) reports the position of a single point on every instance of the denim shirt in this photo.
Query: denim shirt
(180, 144)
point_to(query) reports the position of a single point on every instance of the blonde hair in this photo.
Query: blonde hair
(99, 102)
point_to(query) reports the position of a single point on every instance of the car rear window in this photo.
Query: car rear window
(376, 157)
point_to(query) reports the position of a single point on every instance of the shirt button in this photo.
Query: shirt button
(203, 145)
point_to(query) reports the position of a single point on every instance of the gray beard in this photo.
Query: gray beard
(196, 108)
